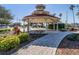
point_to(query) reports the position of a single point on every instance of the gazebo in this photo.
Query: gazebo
(40, 16)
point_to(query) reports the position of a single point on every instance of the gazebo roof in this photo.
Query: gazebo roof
(40, 15)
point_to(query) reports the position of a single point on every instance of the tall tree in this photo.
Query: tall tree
(54, 14)
(5, 15)
(60, 15)
(72, 9)
(77, 14)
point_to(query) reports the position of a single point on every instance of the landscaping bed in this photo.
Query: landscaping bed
(69, 45)
(32, 37)
(11, 43)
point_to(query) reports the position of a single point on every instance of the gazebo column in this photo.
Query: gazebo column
(57, 26)
(28, 25)
(24, 26)
(54, 26)
(37, 25)
(46, 25)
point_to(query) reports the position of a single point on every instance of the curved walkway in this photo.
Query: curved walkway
(46, 45)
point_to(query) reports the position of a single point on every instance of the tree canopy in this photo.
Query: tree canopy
(5, 15)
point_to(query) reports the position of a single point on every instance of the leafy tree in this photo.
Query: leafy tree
(5, 15)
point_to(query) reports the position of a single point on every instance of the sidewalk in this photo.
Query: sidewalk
(46, 45)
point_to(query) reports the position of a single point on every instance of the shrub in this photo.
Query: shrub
(77, 36)
(1, 38)
(73, 37)
(12, 41)
(9, 43)
(23, 37)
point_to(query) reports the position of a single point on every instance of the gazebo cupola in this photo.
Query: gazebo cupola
(40, 7)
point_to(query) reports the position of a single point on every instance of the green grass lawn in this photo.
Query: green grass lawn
(4, 30)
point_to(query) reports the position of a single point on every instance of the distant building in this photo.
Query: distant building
(40, 17)
(3, 26)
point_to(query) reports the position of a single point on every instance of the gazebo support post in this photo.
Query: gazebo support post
(54, 26)
(23, 26)
(46, 27)
(28, 26)
(57, 26)
(37, 25)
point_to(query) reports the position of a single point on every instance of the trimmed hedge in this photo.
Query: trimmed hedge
(23, 37)
(12, 41)
(1, 38)
(9, 43)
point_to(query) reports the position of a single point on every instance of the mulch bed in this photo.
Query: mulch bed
(68, 47)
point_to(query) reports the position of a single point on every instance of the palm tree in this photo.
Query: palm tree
(60, 15)
(78, 11)
(66, 21)
(77, 14)
(72, 9)
(54, 14)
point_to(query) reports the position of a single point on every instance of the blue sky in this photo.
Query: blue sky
(21, 10)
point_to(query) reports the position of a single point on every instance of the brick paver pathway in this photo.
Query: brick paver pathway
(46, 45)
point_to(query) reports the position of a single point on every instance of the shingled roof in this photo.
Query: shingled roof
(40, 15)
(40, 12)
